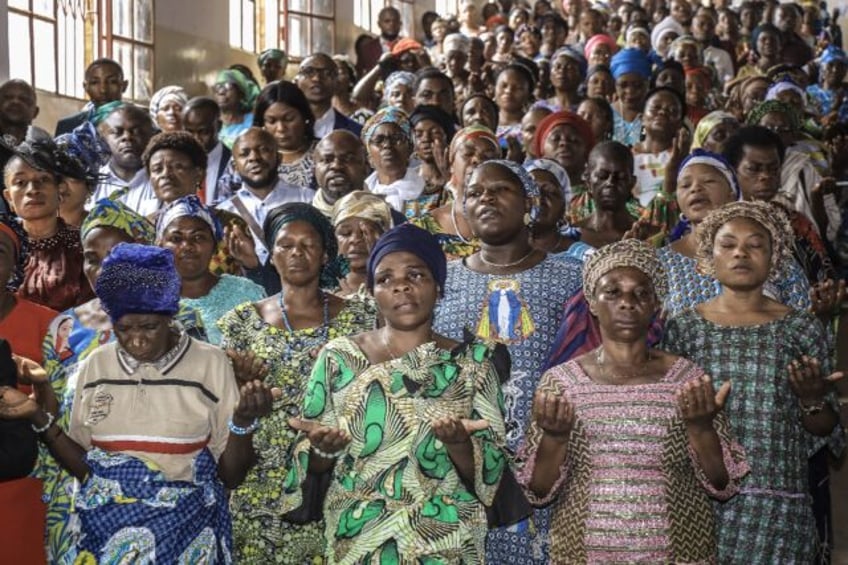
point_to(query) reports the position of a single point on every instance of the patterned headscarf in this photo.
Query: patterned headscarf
(630, 60)
(192, 207)
(84, 152)
(551, 121)
(555, 169)
(164, 95)
(365, 205)
(456, 42)
(631, 253)
(531, 189)
(138, 279)
(387, 115)
(100, 113)
(475, 131)
(770, 216)
(108, 213)
(708, 123)
(412, 239)
(337, 266)
(770, 106)
(12, 228)
(832, 53)
(718, 162)
(274, 55)
(405, 44)
(405, 78)
(249, 89)
(574, 55)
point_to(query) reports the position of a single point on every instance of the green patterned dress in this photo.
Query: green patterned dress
(395, 496)
(261, 535)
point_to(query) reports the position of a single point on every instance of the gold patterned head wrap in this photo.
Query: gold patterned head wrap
(364, 205)
(769, 215)
(631, 253)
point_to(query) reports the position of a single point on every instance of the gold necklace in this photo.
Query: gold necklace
(643, 368)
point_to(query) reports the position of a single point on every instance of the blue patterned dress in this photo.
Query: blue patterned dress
(771, 520)
(229, 292)
(522, 311)
(687, 287)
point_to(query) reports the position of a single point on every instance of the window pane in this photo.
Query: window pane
(143, 73)
(43, 8)
(407, 17)
(122, 18)
(322, 36)
(298, 5)
(20, 64)
(248, 26)
(143, 20)
(235, 23)
(122, 52)
(45, 56)
(20, 4)
(297, 36)
(71, 29)
(271, 33)
(323, 7)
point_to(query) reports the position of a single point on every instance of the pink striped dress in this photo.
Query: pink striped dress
(630, 489)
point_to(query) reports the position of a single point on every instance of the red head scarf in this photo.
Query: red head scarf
(558, 118)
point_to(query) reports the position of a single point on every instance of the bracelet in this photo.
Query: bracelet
(41, 430)
(239, 431)
(325, 455)
(812, 409)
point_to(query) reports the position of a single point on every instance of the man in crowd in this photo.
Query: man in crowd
(317, 78)
(202, 119)
(104, 82)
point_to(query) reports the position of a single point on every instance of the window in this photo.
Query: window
(243, 25)
(365, 14)
(54, 31)
(307, 26)
(128, 38)
(447, 7)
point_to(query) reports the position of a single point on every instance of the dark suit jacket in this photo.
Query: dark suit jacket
(67, 125)
(343, 122)
(18, 443)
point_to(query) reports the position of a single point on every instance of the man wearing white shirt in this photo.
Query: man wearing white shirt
(127, 131)
(256, 159)
(202, 119)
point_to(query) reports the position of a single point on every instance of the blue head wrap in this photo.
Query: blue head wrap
(719, 163)
(84, 153)
(387, 115)
(573, 54)
(412, 239)
(630, 60)
(138, 279)
(192, 207)
(531, 189)
(833, 53)
(337, 266)
(555, 169)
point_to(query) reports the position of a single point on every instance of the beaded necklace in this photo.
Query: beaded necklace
(325, 326)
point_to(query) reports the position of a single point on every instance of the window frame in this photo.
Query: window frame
(309, 15)
(107, 39)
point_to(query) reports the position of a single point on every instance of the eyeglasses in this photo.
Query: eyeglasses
(392, 139)
(312, 72)
(223, 87)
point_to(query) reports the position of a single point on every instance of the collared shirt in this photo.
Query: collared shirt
(213, 165)
(325, 124)
(137, 194)
(397, 193)
(259, 208)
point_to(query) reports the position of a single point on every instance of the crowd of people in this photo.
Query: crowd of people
(550, 284)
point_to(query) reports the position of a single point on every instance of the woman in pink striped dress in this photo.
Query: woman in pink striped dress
(629, 443)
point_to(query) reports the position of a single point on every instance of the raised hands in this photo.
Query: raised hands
(807, 382)
(247, 366)
(324, 439)
(255, 400)
(16, 405)
(554, 415)
(699, 403)
(451, 430)
(826, 296)
(241, 246)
